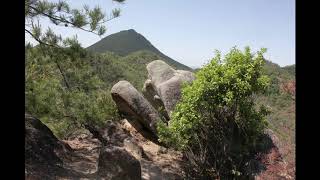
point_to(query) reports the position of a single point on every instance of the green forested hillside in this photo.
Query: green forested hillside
(281, 100)
(128, 41)
(78, 92)
(113, 68)
(291, 69)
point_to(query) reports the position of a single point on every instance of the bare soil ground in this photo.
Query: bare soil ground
(276, 168)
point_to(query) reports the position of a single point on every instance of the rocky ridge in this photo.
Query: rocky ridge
(131, 149)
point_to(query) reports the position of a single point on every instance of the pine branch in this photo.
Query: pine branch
(69, 22)
(40, 41)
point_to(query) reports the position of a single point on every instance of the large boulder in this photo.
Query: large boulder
(152, 96)
(159, 72)
(149, 93)
(132, 103)
(161, 92)
(166, 82)
(115, 163)
(170, 90)
(43, 151)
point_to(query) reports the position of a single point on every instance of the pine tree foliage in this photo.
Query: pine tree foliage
(60, 13)
(64, 91)
(62, 87)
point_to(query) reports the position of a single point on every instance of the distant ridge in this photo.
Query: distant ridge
(129, 41)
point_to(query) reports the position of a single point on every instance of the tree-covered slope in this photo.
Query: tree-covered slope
(281, 100)
(113, 68)
(291, 69)
(129, 41)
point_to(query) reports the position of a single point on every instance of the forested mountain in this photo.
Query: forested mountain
(129, 41)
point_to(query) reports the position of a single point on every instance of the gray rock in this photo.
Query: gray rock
(151, 95)
(159, 71)
(44, 152)
(186, 76)
(166, 83)
(132, 146)
(114, 134)
(170, 92)
(131, 103)
(115, 163)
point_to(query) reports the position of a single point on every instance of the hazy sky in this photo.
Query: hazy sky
(189, 31)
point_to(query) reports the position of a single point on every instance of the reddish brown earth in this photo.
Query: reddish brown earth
(289, 87)
(276, 168)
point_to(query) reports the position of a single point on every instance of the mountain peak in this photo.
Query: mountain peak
(129, 41)
(129, 31)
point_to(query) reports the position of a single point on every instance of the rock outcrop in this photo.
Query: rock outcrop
(152, 96)
(47, 157)
(43, 151)
(161, 92)
(166, 82)
(132, 103)
(159, 72)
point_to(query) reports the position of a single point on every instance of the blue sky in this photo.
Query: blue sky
(189, 31)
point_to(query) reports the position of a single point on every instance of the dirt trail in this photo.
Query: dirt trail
(83, 162)
(86, 150)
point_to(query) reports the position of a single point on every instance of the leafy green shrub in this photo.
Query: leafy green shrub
(217, 123)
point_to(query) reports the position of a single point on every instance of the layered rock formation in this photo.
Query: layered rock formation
(47, 157)
(160, 94)
(166, 83)
(131, 103)
(43, 151)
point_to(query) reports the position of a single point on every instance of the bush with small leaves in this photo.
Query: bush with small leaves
(217, 123)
